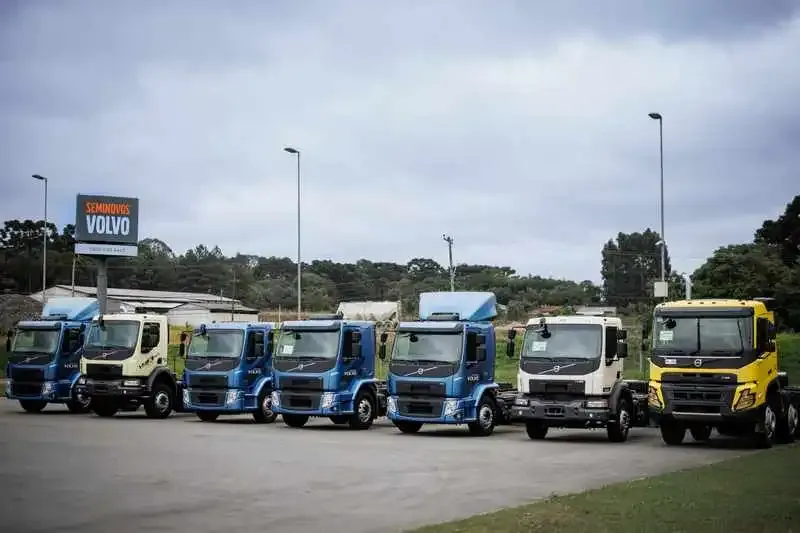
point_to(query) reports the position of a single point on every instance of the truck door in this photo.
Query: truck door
(69, 356)
(474, 363)
(255, 357)
(352, 358)
(613, 372)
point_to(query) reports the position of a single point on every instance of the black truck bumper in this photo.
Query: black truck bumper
(568, 414)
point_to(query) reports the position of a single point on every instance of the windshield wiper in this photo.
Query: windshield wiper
(431, 361)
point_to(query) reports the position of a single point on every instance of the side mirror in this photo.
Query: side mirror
(384, 337)
(355, 352)
(356, 337)
(480, 353)
(611, 347)
(622, 334)
(270, 342)
(644, 346)
(622, 351)
(382, 350)
(510, 348)
(181, 350)
(183, 337)
(480, 340)
(512, 334)
(772, 331)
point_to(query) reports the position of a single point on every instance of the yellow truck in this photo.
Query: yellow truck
(714, 365)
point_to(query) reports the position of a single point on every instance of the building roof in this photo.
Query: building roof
(144, 296)
(217, 307)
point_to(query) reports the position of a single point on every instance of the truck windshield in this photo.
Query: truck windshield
(113, 334)
(721, 336)
(312, 344)
(427, 346)
(40, 341)
(217, 344)
(579, 341)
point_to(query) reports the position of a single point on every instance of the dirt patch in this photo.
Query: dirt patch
(16, 307)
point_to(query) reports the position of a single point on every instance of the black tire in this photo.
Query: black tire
(788, 423)
(295, 421)
(159, 404)
(340, 420)
(105, 409)
(619, 429)
(79, 404)
(33, 406)
(536, 429)
(700, 433)
(265, 414)
(206, 416)
(407, 426)
(363, 411)
(486, 418)
(672, 433)
(766, 432)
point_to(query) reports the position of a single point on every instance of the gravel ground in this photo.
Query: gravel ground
(67, 472)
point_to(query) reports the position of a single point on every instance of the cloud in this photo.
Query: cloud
(522, 132)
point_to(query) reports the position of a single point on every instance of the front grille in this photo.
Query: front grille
(28, 375)
(26, 389)
(98, 371)
(419, 388)
(300, 401)
(204, 381)
(693, 398)
(557, 390)
(207, 398)
(300, 383)
(696, 378)
(420, 407)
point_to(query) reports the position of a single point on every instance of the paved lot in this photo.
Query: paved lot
(80, 473)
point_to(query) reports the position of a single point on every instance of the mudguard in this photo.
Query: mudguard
(482, 388)
(358, 384)
(74, 381)
(263, 381)
(620, 389)
(159, 370)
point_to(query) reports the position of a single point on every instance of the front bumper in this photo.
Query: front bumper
(126, 388)
(218, 400)
(312, 403)
(430, 410)
(693, 403)
(573, 413)
(48, 391)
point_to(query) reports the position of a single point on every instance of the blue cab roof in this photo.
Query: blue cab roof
(470, 306)
(72, 309)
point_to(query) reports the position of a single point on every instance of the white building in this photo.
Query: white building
(141, 301)
(194, 314)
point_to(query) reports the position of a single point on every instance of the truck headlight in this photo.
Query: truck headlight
(82, 380)
(391, 404)
(327, 400)
(47, 388)
(276, 398)
(520, 400)
(7, 385)
(652, 397)
(746, 400)
(187, 399)
(600, 403)
(231, 397)
(131, 383)
(450, 407)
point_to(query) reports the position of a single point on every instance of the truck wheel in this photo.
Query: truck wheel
(159, 404)
(406, 426)
(79, 403)
(766, 429)
(206, 416)
(295, 421)
(33, 406)
(672, 433)
(364, 412)
(105, 409)
(619, 429)
(340, 419)
(484, 425)
(536, 429)
(787, 425)
(264, 414)
(700, 433)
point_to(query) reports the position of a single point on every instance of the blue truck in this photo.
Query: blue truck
(44, 356)
(441, 369)
(228, 371)
(325, 367)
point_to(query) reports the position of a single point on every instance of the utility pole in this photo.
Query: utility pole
(449, 240)
(296, 153)
(44, 239)
(233, 299)
(74, 259)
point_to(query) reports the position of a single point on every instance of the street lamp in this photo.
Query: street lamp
(660, 119)
(44, 239)
(296, 153)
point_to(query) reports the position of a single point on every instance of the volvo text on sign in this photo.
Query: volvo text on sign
(107, 219)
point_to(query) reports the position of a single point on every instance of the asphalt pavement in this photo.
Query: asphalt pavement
(63, 472)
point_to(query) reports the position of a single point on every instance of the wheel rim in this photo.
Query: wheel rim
(364, 410)
(83, 400)
(792, 419)
(769, 421)
(486, 416)
(266, 406)
(162, 401)
(624, 420)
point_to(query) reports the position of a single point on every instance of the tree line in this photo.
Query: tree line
(629, 265)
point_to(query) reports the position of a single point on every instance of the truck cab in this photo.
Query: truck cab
(44, 356)
(325, 367)
(125, 366)
(714, 365)
(441, 369)
(228, 371)
(570, 376)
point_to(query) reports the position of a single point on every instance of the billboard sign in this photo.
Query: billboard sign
(106, 220)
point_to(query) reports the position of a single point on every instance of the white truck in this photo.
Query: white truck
(570, 376)
(125, 366)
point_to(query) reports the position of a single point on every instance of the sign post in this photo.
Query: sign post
(106, 226)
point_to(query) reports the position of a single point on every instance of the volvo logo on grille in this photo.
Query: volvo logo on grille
(420, 371)
(556, 369)
(698, 363)
(301, 366)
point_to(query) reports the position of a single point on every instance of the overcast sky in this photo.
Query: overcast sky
(518, 127)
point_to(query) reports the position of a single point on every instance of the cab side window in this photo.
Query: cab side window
(764, 336)
(151, 336)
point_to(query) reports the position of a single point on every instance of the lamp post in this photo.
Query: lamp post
(660, 119)
(44, 240)
(296, 153)
(449, 240)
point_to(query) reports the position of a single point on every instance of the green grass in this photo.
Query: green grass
(757, 493)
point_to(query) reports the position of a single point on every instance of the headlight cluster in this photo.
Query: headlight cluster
(276, 398)
(597, 403)
(232, 396)
(746, 400)
(327, 400)
(652, 397)
(450, 407)
(521, 401)
(48, 387)
(187, 399)
(391, 404)
(131, 383)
